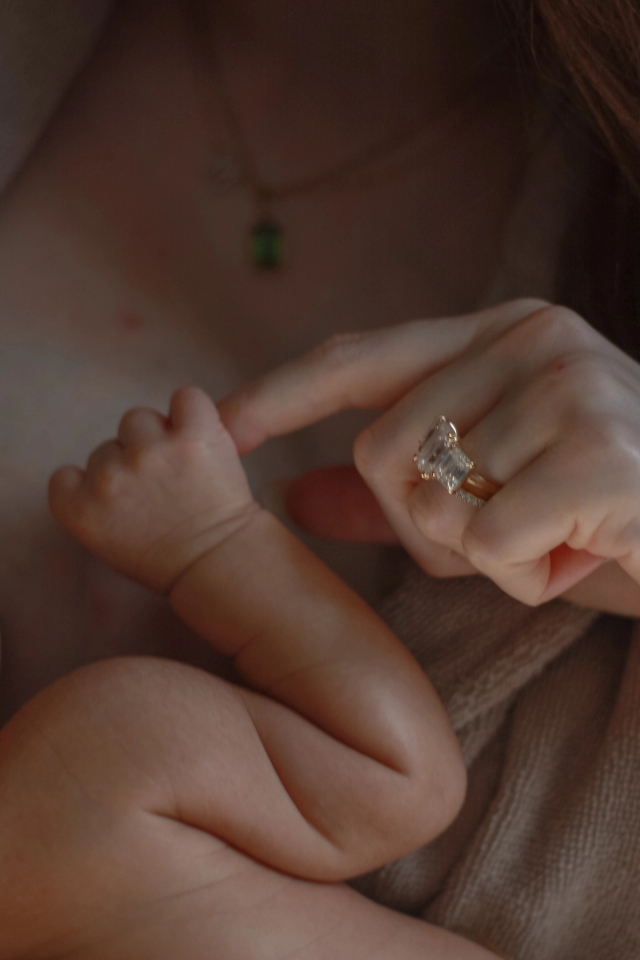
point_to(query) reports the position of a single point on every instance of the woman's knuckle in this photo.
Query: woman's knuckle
(559, 321)
(551, 325)
(534, 303)
(497, 321)
(368, 455)
(527, 306)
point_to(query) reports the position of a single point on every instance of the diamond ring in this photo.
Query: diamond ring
(440, 458)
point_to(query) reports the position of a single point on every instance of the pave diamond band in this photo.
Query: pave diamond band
(469, 498)
(440, 458)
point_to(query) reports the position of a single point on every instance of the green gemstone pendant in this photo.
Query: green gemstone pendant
(267, 245)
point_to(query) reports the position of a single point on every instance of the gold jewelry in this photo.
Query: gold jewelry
(233, 166)
(440, 457)
(267, 242)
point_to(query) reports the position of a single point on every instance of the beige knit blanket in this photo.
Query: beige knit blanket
(544, 861)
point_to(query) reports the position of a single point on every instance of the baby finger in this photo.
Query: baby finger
(64, 491)
(142, 425)
(104, 470)
(194, 414)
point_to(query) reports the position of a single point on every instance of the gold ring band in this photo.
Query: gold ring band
(480, 487)
(440, 457)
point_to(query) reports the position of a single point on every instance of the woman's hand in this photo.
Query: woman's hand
(543, 404)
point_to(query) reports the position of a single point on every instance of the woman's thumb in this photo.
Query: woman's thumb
(336, 503)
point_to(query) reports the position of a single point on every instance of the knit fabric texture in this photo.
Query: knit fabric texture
(543, 863)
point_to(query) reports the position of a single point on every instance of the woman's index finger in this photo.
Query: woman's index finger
(350, 371)
(369, 371)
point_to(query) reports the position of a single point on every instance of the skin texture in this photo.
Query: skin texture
(117, 877)
(348, 726)
(162, 889)
(122, 277)
(549, 410)
(177, 782)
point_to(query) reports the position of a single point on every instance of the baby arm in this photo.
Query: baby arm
(341, 757)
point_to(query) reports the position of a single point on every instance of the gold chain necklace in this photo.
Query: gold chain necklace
(233, 166)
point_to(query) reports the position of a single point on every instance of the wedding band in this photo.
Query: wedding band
(439, 457)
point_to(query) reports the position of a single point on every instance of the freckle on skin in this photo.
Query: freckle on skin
(132, 321)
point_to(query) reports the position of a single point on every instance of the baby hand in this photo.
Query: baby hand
(159, 497)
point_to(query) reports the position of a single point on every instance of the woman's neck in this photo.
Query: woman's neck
(307, 79)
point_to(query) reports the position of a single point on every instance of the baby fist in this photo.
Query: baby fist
(161, 495)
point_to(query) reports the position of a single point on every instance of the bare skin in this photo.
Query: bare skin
(121, 278)
(116, 286)
(548, 533)
(153, 810)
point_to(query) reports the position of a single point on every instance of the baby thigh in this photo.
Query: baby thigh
(281, 918)
(241, 910)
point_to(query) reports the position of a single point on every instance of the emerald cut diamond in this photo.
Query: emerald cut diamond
(440, 458)
(433, 446)
(452, 469)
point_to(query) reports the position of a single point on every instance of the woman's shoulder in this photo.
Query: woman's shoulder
(43, 48)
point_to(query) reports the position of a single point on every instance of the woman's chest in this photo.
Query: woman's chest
(127, 238)
(59, 606)
(124, 274)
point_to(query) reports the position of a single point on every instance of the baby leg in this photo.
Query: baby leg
(250, 912)
(121, 783)
(363, 763)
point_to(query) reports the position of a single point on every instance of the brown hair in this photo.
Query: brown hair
(598, 45)
(584, 55)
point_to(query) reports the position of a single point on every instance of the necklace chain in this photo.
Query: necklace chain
(337, 174)
(235, 166)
